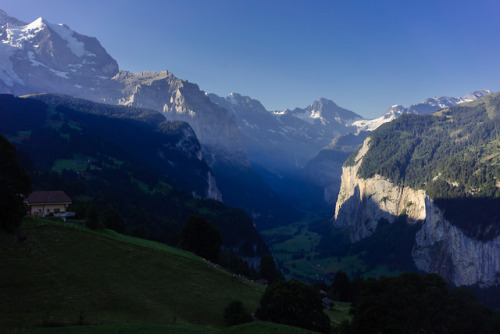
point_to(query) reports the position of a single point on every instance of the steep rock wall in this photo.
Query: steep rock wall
(361, 203)
(439, 246)
(443, 248)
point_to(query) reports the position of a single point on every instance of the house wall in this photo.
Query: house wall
(40, 210)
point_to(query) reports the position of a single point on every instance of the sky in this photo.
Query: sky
(365, 55)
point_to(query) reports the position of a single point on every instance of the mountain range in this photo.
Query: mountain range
(51, 58)
(268, 162)
(148, 183)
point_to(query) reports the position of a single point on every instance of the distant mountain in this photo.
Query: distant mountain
(324, 169)
(49, 58)
(427, 106)
(434, 178)
(283, 141)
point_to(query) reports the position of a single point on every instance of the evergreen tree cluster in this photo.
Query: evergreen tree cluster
(14, 184)
(414, 303)
(293, 303)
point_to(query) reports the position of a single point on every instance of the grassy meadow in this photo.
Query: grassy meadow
(58, 275)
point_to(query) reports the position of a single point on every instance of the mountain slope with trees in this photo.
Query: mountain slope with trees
(130, 164)
(440, 172)
(453, 155)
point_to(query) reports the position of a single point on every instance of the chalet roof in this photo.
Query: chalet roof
(48, 197)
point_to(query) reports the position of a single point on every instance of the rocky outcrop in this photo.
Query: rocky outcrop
(178, 99)
(439, 246)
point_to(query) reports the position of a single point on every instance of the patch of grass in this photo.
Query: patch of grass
(69, 164)
(262, 327)
(339, 312)
(125, 329)
(19, 137)
(57, 274)
(249, 328)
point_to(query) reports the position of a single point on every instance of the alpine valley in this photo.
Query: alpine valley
(417, 189)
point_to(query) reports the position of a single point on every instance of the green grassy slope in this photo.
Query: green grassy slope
(64, 275)
(249, 328)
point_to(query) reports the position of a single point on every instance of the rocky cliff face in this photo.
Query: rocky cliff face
(439, 246)
(362, 203)
(443, 248)
(178, 99)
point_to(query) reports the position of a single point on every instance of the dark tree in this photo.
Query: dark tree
(92, 220)
(341, 287)
(14, 182)
(235, 313)
(293, 303)
(268, 270)
(201, 237)
(112, 220)
(413, 303)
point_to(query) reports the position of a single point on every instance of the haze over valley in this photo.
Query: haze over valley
(235, 201)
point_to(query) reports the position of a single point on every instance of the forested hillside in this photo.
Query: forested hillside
(129, 164)
(453, 154)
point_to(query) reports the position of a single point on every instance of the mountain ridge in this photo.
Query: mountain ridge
(94, 75)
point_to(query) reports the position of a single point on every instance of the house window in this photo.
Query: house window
(48, 210)
(56, 210)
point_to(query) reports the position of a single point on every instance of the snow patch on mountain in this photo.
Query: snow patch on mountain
(372, 124)
(427, 106)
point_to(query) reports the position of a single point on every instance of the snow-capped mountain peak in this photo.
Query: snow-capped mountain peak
(476, 95)
(45, 57)
(427, 106)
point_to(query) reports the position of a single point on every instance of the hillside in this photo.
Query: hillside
(42, 57)
(453, 155)
(126, 161)
(61, 275)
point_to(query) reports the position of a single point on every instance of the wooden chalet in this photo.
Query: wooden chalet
(48, 203)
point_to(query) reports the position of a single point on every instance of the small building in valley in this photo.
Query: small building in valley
(48, 203)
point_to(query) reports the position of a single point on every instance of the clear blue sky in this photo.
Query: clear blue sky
(365, 55)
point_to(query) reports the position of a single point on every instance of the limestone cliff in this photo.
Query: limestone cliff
(439, 246)
(361, 203)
